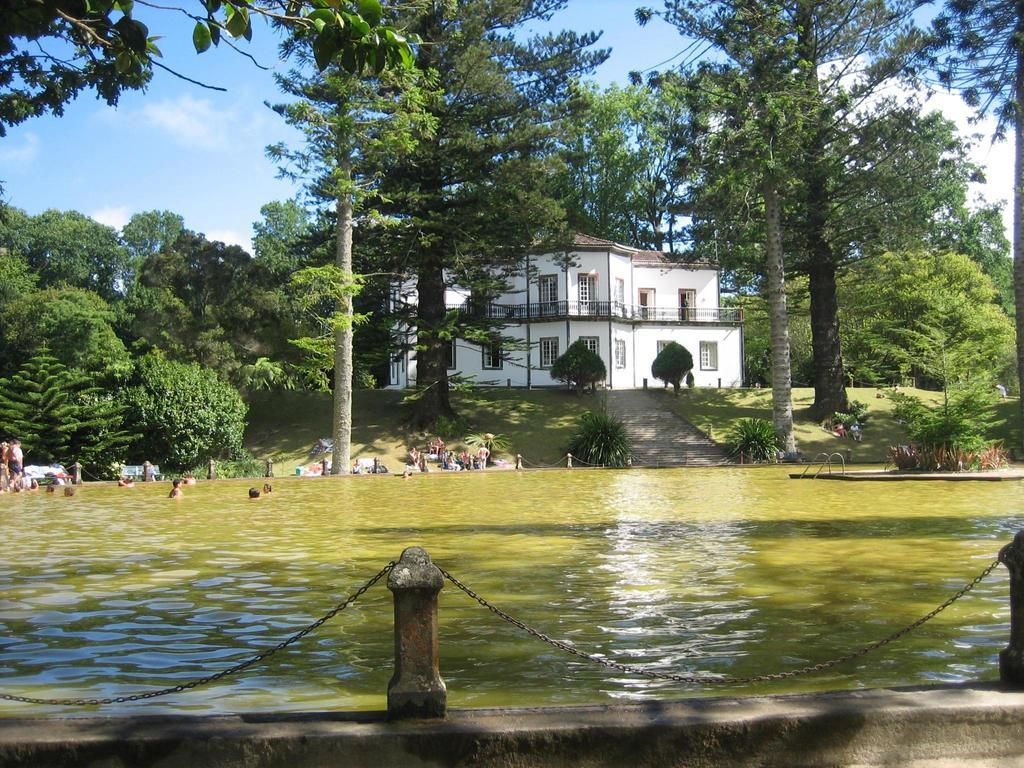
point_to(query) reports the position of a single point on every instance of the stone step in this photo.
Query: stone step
(661, 437)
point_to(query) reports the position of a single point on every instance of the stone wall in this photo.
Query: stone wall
(975, 725)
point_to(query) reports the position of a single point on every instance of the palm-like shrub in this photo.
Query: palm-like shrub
(493, 443)
(755, 439)
(601, 440)
(672, 365)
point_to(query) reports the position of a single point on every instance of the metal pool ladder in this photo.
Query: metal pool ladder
(822, 462)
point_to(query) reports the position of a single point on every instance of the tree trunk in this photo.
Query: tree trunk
(431, 360)
(782, 396)
(1018, 219)
(342, 456)
(829, 377)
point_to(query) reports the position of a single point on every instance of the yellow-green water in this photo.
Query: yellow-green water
(733, 571)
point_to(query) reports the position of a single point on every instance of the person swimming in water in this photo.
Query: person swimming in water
(176, 492)
(254, 493)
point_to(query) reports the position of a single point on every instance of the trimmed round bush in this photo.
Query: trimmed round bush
(579, 367)
(672, 365)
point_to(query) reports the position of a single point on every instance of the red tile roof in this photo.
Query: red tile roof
(650, 257)
(581, 239)
(641, 256)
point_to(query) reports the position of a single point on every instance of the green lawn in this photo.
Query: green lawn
(717, 411)
(283, 426)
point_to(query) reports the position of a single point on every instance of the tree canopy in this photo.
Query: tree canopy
(50, 52)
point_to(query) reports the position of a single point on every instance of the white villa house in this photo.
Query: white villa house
(625, 304)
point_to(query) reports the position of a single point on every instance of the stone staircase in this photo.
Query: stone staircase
(660, 437)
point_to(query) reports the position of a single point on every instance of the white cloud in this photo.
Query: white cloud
(995, 158)
(20, 154)
(230, 237)
(191, 122)
(116, 216)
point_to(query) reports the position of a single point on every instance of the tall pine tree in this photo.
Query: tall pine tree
(468, 206)
(61, 416)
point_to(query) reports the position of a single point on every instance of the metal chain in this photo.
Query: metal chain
(535, 465)
(722, 679)
(217, 675)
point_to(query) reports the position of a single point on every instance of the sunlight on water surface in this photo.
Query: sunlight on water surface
(735, 571)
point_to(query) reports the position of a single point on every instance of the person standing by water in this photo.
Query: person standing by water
(5, 473)
(15, 461)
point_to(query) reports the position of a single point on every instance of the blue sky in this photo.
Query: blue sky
(200, 153)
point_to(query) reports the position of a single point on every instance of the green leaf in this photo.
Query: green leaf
(123, 63)
(371, 11)
(408, 60)
(134, 34)
(321, 18)
(237, 21)
(215, 34)
(325, 47)
(348, 61)
(358, 24)
(201, 37)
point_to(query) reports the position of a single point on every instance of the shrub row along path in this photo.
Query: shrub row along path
(660, 437)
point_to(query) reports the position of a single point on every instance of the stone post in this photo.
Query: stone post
(270, 467)
(1011, 658)
(416, 689)
(211, 470)
(568, 461)
(76, 473)
(324, 471)
(147, 472)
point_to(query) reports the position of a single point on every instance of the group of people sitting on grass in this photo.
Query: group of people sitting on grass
(839, 429)
(446, 460)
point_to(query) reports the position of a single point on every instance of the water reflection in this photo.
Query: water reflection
(734, 572)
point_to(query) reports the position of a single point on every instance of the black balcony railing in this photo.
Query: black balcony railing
(542, 310)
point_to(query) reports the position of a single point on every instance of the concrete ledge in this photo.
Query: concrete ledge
(975, 725)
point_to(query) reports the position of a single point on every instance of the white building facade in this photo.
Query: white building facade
(624, 303)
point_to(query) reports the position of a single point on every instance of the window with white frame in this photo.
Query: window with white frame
(548, 351)
(662, 343)
(492, 356)
(587, 287)
(709, 355)
(620, 290)
(593, 343)
(620, 353)
(587, 293)
(547, 288)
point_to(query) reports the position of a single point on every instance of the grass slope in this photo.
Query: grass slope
(283, 426)
(717, 411)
